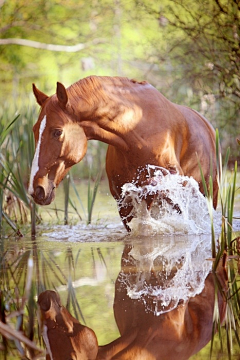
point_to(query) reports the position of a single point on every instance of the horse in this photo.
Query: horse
(176, 334)
(138, 123)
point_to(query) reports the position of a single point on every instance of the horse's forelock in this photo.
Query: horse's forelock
(52, 107)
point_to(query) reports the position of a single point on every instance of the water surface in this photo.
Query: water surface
(161, 265)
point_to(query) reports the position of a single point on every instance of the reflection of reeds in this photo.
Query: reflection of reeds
(72, 301)
(17, 305)
(24, 274)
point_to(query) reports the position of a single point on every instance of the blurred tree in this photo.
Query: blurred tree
(28, 30)
(202, 54)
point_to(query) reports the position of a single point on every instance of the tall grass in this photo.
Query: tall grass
(225, 249)
(16, 149)
(92, 193)
(16, 154)
(66, 186)
(92, 190)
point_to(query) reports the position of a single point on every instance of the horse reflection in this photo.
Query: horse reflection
(150, 327)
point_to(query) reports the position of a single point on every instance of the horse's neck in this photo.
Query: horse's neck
(111, 117)
(147, 341)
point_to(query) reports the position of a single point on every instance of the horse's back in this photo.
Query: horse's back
(171, 134)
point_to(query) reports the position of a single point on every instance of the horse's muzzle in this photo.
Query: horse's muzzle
(44, 192)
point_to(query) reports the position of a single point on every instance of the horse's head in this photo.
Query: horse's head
(60, 143)
(64, 336)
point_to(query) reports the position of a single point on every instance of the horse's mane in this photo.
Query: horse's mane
(91, 88)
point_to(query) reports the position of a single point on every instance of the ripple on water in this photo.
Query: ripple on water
(86, 233)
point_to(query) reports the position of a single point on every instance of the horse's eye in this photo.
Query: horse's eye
(57, 133)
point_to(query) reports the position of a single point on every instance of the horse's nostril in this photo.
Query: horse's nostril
(40, 193)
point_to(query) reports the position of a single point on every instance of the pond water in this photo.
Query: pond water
(104, 276)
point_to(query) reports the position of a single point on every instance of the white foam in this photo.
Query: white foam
(35, 165)
(178, 207)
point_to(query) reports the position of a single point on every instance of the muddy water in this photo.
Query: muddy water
(82, 262)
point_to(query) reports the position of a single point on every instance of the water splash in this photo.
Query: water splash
(172, 271)
(178, 207)
(106, 232)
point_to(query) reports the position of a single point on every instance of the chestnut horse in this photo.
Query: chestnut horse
(138, 123)
(173, 335)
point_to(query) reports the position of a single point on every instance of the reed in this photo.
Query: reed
(16, 153)
(78, 198)
(16, 148)
(68, 183)
(91, 196)
(66, 187)
(6, 175)
(92, 193)
(225, 249)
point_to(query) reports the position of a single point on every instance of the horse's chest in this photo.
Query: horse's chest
(128, 167)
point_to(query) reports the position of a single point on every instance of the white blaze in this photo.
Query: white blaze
(35, 166)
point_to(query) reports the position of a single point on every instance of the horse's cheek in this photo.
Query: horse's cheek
(78, 143)
(80, 151)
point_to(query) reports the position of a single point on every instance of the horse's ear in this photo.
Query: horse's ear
(62, 94)
(40, 96)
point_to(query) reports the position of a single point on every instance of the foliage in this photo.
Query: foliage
(53, 22)
(201, 55)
